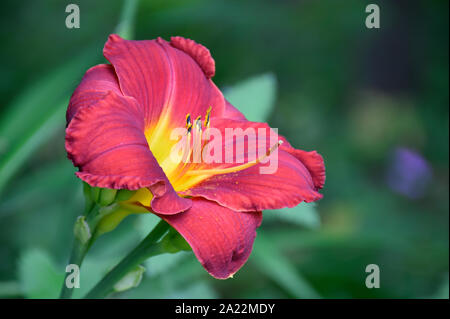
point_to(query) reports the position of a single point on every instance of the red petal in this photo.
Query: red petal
(248, 189)
(106, 141)
(96, 82)
(198, 52)
(220, 238)
(313, 161)
(164, 80)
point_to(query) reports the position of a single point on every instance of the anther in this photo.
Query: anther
(273, 148)
(207, 117)
(188, 119)
(188, 123)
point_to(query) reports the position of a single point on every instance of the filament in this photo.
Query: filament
(235, 168)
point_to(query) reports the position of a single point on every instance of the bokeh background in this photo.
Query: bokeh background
(374, 103)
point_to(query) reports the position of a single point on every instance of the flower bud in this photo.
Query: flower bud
(130, 280)
(111, 207)
(81, 230)
(95, 193)
(107, 196)
(124, 194)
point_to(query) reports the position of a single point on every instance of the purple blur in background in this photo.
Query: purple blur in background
(408, 173)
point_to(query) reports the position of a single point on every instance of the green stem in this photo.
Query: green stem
(76, 257)
(147, 248)
(79, 251)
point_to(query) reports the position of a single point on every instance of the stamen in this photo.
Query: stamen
(188, 119)
(188, 123)
(206, 125)
(235, 168)
(188, 150)
(272, 149)
(197, 140)
(207, 117)
(198, 123)
(196, 145)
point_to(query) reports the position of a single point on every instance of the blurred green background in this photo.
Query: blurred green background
(373, 102)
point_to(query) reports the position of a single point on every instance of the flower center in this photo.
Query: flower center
(187, 169)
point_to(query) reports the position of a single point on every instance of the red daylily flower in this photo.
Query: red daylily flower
(119, 121)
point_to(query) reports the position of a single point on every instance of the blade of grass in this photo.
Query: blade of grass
(125, 28)
(271, 262)
(29, 143)
(36, 115)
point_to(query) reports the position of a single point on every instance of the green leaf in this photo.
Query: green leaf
(55, 178)
(29, 142)
(38, 275)
(37, 114)
(305, 214)
(254, 97)
(270, 261)
(442, 292)
(125, 28)
(10, 289)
